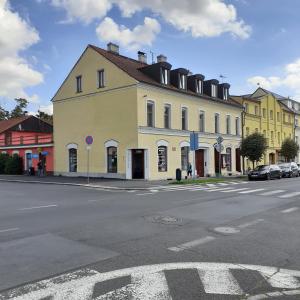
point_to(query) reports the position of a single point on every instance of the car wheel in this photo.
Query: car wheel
(268, 176)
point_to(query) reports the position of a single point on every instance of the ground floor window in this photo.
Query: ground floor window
(185, 158)
(73, 160)
(112, 160)
(228, 159)
(162, 159)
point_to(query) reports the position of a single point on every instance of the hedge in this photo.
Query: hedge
(12, 165)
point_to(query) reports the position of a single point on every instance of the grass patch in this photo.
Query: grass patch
(208, 180)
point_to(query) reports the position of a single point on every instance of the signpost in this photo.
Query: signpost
(194, 145)
(219, 147)
(89, 141)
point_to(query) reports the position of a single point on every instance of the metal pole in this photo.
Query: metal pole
(220, 156)
(88, 165)
(194, 165)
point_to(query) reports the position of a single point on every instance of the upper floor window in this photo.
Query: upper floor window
(271, 114)
(237, 126)
(278, 116)
(214, 90)
(264, 112)
(199, 86)
(167, 116)
(79, 84)
(202, 121)
(226, 94)
(150, 114)
(101, 79)
(164, 76)
(246, 107)
(217, 123)
(228, 127)
(182, 81)
(184, 119)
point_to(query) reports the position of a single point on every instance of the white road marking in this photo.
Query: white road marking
(227, 230)
(221, 283)
(235, 190)
(9, 229)
(245, 225)
(192, 244)
(219, 189)
(37, 207)
(222, 183)
(289, 210)
(149, 282)
(153, 191)
(272, 193)
(251, 191)
(290, 195)
(145, 194)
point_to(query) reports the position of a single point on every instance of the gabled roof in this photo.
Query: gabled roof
(7, 124)
(133, 68)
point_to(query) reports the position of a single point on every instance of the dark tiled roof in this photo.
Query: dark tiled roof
(132, 68)
(7, 124)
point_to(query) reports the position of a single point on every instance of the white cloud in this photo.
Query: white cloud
(201, 18)
(16, 73)
(290, 79)
(47, 109)
(133, 39)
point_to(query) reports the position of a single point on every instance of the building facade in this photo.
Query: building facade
(141, 117)
(266, 112)
(30, 138)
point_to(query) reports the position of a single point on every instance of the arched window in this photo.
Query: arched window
(228, 159)
(112, 160)
(162, 159)
(73, 160)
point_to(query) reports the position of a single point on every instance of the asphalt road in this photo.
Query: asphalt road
(234, 241)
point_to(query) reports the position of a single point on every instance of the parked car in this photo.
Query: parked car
(265, 172)
(289, 170)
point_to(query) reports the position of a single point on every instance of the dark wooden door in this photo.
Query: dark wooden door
(217, 162)
(200, 162)
(138, 168)
(238, 160)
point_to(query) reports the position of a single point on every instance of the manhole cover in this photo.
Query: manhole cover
(168, 220)
(226, 230)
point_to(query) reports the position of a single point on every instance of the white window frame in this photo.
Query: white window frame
(164, 76)
(237, 126)
(228, 124)
(184, 108)
(217, 129)
(182, 81)
(153, 113)
(226, 94)
(202, 112)
(214, 90)
(108, 144)
(199, 86)
(78, 87)
(170, 115)
(101, 79)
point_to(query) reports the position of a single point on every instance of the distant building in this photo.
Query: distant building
(141, 116)
(30, 138)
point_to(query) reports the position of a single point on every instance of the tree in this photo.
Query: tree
(289, 149)
(253, 147)
(3, 160)
(44, 116)
(4, 114)
(14, 165)
(19, 109)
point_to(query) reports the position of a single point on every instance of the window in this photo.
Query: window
(73, 160)
(272, 136)
(256, 110)
(237, 126)
(79, 84)
(246, 107)
(202, 121)
(162, 159)
(112, 160)
(100, 78)
(290, 119)
(150, 114)
(164, 76)
(217, 123)
(226, 94)
(199, 86)
(264, 112)
(278, 137)
(214, 90)
(228, 159)
(185, 158)
(271, 114)
(184, 118)
(228, 127)
(182, 81)
(167, 116)
(283, 117)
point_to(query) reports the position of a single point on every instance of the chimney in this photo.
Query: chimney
(142, 57)
(113, 48)
(161, 58)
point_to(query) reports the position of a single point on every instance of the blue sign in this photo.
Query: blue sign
(45, 153)
(194, 141)
(89, 140)
(35, 156)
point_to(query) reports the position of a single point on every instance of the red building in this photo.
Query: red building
(30, 138)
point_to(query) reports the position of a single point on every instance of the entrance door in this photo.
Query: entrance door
(238, 159)
(138, 166)
(217, 162)
(200, 162)
(272, 158)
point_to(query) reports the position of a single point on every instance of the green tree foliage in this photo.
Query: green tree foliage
(14, 165)
(4, 114)
(289, 149)
(253, 147)
(44, 116)
(3, 160)
(19, 109)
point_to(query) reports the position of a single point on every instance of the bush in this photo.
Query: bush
(3, 159)
(14, 165)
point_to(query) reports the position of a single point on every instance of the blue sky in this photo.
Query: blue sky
(248, 41)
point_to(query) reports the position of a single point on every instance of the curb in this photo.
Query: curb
(77, 184)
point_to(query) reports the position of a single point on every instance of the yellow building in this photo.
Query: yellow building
(267, 113)
(140, 116)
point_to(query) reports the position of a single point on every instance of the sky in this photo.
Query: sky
(249, 42)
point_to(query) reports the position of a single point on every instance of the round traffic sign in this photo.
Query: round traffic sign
(89, 140)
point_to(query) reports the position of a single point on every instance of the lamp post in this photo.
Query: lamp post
(243, 114)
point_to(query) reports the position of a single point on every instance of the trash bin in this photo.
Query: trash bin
(178, 174)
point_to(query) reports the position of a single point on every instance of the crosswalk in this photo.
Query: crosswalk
(238, 187)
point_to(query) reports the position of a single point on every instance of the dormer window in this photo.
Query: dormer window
(214, 91)
(226, 94)
(198, 86)
(164, 76)
(182, 81)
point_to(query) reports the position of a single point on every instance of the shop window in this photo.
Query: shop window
(162, 159)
